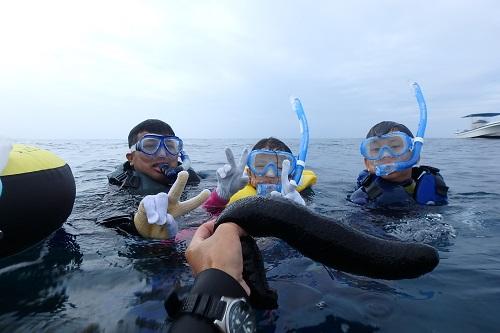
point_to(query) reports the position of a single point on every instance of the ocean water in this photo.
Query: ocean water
(89, 278)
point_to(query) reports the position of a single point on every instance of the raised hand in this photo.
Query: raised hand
(153, 211)
(288, 187)
(230, 177)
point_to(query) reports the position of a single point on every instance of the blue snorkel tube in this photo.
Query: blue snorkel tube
(304, 140)
(186, 161)
(418, 141)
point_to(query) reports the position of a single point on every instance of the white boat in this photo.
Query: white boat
(480, 127)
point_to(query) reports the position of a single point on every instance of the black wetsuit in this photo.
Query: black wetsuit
(138, 183)
(210, 282)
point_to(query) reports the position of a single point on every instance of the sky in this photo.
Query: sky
(226, 69)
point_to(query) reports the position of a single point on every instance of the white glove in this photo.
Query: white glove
(156, 211)
(230, 177)
(288, 187)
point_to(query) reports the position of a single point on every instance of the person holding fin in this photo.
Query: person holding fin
(269, 169)
(391, 179)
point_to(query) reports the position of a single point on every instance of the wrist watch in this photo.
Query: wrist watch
(230, 315)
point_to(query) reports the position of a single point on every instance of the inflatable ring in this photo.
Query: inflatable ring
(37, 197)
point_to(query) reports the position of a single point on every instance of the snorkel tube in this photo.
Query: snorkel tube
(418, 141)
(304, 140)
(186, 161)
(171, 173)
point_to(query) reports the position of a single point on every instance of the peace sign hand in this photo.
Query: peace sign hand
(230, 177)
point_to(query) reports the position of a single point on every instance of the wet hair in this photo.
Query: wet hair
(151, 126)
(385, 127)
(272, 144)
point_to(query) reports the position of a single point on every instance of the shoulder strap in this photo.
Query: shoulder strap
(417, 172)
(440, 186)
(372, 189)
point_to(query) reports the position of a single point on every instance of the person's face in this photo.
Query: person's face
(150, 164)
(268, 179)
(396, 176)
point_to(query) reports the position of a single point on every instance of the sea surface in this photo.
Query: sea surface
(89, 278)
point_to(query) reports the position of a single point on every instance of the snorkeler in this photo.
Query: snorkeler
(391, 178)
(269, 169)
(156, 163)
(155, 158)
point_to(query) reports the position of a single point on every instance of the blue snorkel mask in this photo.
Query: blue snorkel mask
(151, 144)
(397, 144)
(267, 162)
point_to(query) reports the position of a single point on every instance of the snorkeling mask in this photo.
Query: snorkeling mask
(268, 163)
(397, 144)
(150, 144)
(393, 144)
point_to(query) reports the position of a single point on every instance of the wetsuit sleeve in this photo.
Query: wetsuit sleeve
(215, 204)
(211, 282)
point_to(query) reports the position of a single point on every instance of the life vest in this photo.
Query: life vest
(136, 182)
(430, 188)
(307, 180)
(426, 187)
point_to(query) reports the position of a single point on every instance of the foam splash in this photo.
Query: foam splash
(428, 229)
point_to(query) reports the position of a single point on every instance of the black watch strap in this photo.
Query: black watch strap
(207, 306)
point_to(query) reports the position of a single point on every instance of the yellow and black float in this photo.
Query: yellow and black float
(38, 193)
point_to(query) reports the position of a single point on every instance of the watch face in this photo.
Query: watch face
(240, 318)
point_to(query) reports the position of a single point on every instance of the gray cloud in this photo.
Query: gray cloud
(225, 69)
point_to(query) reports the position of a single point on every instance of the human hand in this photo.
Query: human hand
(220, 249)
(288, 187)
(230, 177)
(173, 206)
(156, 207)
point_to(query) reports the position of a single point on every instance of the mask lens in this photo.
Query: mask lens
(392, 144)
(173, 145)
(150, 145)
(396, 145)
(269, 163)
